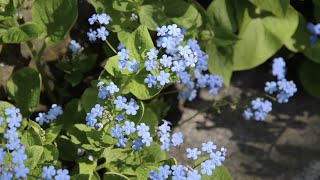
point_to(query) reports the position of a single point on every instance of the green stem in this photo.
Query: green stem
(111, 47)
(101, 166)
(270, 97)
(37, 58)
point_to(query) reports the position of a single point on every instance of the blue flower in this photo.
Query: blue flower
(137, 144)
(166, 61)
(122, 64)
(207, 167)
(62, 174)
(14, 120)
(48, 172)
(163, 78)
(119, 117)
(18, 156)
(178, 66)
(21, 171)
(102, 33)
(177, 139)
(120, 46)
(184, 51)
(132, 65)
(6, 175)
(174, 30)
(91, 120)
(92, 35)
(152, 54)
(217, 158)
(74, 46)
(123, 54)
(142, 129)
(193, 153)
(120, 102)
(2, 155)
(215, 84)
(150, 80)
(146, 139)
(103, 93)
(208, 147)
(11, 134)
(165, 141)
(41, 119)
(116, 131)
(13, 144)
(112, 88)
(278, 68)
(122, 141)
(132, 107)
(193, 175)
(150, 65)
(178, 172)
(247, 114)
(270, 87)
(162, 31)
(93, 19)
(103, 18)
(128, 127)
(164, 172)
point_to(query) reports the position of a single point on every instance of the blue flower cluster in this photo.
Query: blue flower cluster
(74, 47)
(187, 62)
(314, 29)
(121, 132)
(14, 149)
(91, 117)
(107, 91)
(49, 172)
(52, 115)
(163, 133)
(101, 32)
(185, 173)
(283, 88)
(259, 110)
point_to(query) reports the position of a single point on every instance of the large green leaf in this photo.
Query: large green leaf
(261, 36)
(152, 16)
(182, 13)
(309, 73)
(52, 133)
(34, 154)
(30, 137)
(139, 43)
(222, 14)
(21, 33)
(220, 61)
(277, 7)
(56, 17)
(24, 88)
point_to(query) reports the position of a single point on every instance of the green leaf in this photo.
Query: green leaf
(310, 77)
(63, 144)
(52, 133)
(313, 52)
(316, 10)
(140, 89)
(114, 176)
(34, 154)
(86, 166)
(143, 172)
(220, 173)
(73, 114)
(223, 15)
(3, 105)
(183, 13)
(24, 88)
(89, 99)
(261, 37)
(30, 137)
(299, 41)
(112, 67)
(56, 17)
(139, 43)
(150, 118)
(277, 7)
(152, 15)
(80, 177)
(50, 153)
(25, 32)
(220, 61)
(123, 6)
